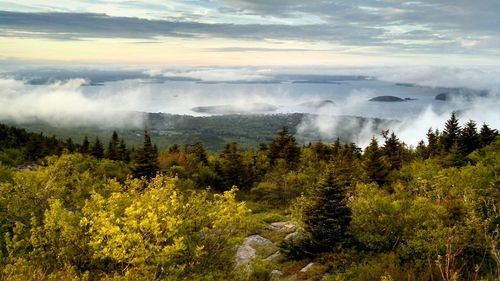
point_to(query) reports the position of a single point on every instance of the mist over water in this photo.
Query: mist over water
(115, 103)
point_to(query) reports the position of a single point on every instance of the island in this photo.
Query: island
(251, 108)
(390, 99)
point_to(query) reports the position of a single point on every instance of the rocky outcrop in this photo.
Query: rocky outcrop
(282, 226)
(275, 274)
(246, 252)
(307, 267)
(276, 257)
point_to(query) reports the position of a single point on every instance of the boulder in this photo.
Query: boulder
(307, 267)
(256, 240)
(292, 237)
(245, 253)
(282, 226)
(276, 274)
(276, 257)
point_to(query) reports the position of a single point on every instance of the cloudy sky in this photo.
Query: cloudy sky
(251, 32)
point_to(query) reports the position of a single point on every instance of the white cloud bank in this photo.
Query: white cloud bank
(113, 105)
(65, 104)
(413, 128)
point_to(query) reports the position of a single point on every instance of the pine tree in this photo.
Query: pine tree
(197, 152)
(393, 150)
(468, 139)
(70, 146)
(432, 143)
(123, 152)
(328, 217)
(487, 135)
(145, 162)
(85, 147)
(97, 150)
(113, 146)
(234, 170)
(451, 132)
(336, 147)
(284, 147)
(372, 163)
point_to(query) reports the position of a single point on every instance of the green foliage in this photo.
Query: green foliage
(145, 162)
(284, 147)
(77, 217)
(83, 222)
(373, 163)
(451, 132)
(326, 217)
(97, 150)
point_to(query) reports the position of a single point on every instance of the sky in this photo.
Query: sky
(251, 32)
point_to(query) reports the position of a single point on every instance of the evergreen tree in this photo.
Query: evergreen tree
(393, 151)
(469, 138)
(113, 147)
(70, 146)
(97, 150)
(373, 164)
(197, 152)
(327, 218)
(336, 147)
(123, 152)
(85, 147)
(285, 147)
(145, 162)
(487, 135)
(432, 143)
(233, 169)
(421, 150)
(174, 148)
(451, 132)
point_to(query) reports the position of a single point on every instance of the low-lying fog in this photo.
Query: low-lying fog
(83, 99)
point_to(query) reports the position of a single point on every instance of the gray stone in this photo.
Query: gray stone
(244, 255)
(276, 257)
(256, 240)
(276, 273)
(325, 276)
(282, 226)
(292, 237)
(307, 267)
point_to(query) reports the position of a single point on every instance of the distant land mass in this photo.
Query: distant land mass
(390, 99)
(252, 108)
(214, 131)
(405, 84)
(460, 93)
(317, 82)
(317, 104)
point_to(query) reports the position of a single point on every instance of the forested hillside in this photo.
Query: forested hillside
(100, 209)
(214, 131)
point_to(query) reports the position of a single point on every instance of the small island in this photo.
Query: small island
(252, 108)
(390, 99)
(318, 103)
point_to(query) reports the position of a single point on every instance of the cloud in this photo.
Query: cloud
(480, 77)
(87, 25)
(65, 104)
(253, 49)
(218, 74)
(412, 127)
(69, 103)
